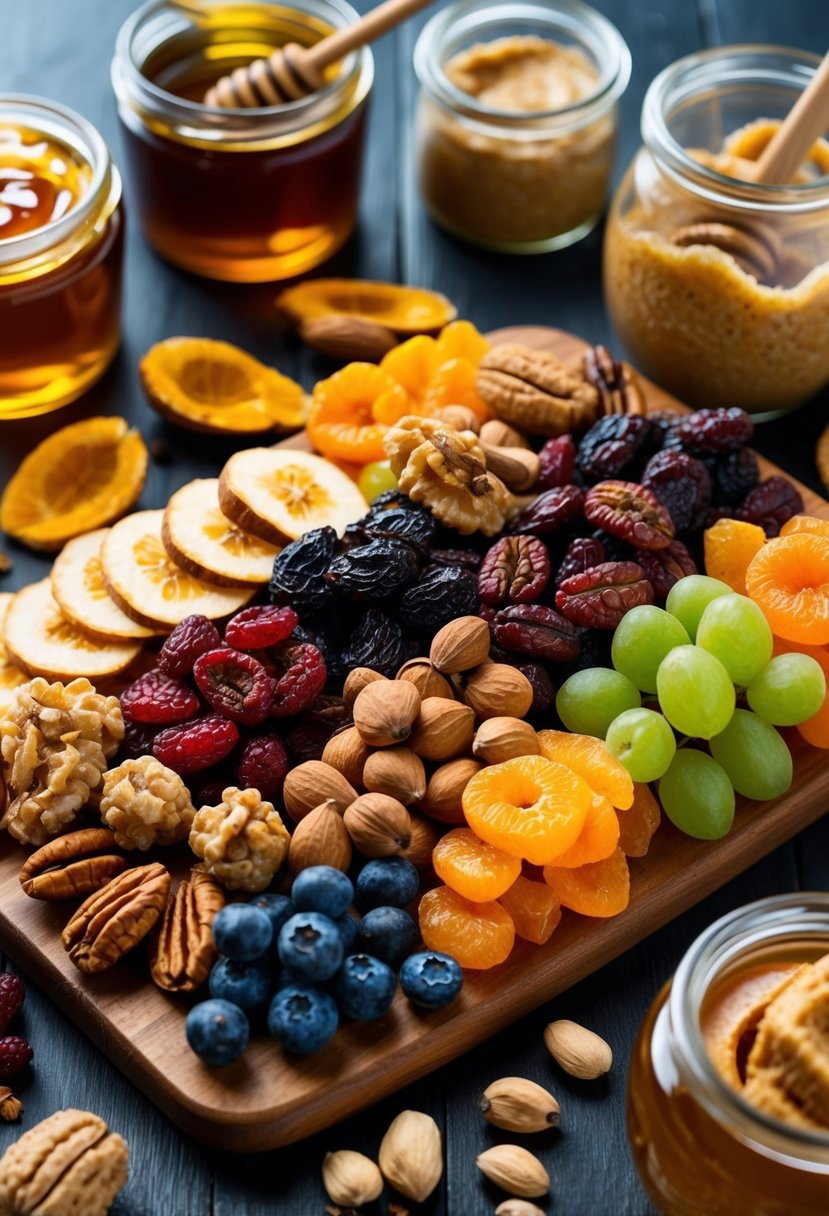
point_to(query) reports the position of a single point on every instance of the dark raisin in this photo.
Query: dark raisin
(594, 648)
(373, 571)
(770, 504)
(616, 445)
(413, 524)
(329, 636)
(392, 500)
(315, 727)
(581, 554)
(465, 559)
(713, 431)
(549, 512)
(616, 549)
(438, 597)
(733, 476)
(544, 692)
(377, 642)
(681, 483)
(298, 571)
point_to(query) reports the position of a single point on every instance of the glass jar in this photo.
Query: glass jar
(699, 1147)
(61, 240)
(495, 168)
(243, 195)
(719, 287)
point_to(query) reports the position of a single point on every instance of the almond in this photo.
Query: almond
(580, 1052)
(379, 826)
(460, 645)
(395, 771)
(515, 1169)
(348, 339)
(411, 1155)
(312, 783)
(356, 681)
(445, 790)
(320, 839)
(500, 739)
(461, 417)
(519, 1105)
(427, 681)
(442, 730)
(347, 752)
(496, 690)
(517, 467)
(351, 1179)
(500, 434)
(385, 710)
(424, 837)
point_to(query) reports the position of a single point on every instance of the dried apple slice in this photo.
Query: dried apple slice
(11, 676)
(149, 586)
(79, 589)
(279, 493)
(406, 310)
(40, 639)
(202, 540)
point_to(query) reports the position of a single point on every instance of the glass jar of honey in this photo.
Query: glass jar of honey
(728, 1090)
(61, 240)
(247, 195)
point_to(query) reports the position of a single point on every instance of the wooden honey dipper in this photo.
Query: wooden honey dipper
(293, 71)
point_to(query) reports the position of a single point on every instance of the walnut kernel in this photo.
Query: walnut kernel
(242, 841)
(146, 804)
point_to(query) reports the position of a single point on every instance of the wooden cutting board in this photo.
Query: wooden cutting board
(267, 1099)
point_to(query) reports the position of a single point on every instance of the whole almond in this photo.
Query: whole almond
(445, 790)
(347, 752)
(348, 339)
(500, 739)
(411, 1155)
(460, 645)
(310, 784)
(356, 681)
(580, 1052)
(395, 771)
(351, 1179)
(427, 681)
(515, 1169)
(500, 434)
(320, 839)
(379, 826)
(517, 467)
(518, 1207)
(424, 837)
(517, 1104)
(442, 730)
(385, 711)
(461, 417)
(496, 690)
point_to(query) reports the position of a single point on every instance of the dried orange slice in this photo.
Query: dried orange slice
(730, 545)
(600, 889)
(476, 870)
(594, 762)
(277, 494)
(149, 587)
(345, 422)
(207, 385)
(79, 589)
(80, 478)
(201, 539)
(789, 580)
(534, 908)
(40, 639)
(478, 935)
(406, 310)
(597, 839)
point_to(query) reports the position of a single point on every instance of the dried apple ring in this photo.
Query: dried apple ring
(203, 541)
(80, 591)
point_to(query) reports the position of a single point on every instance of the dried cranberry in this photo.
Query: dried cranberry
(600, 597)
(159, 699)
(211, 793)
(373, 571)
(15, 1054)
(664, 567)
(377, 641)
(516, 568)
(12, 996)
(262, 765)
(439, 596)
(235, 684)
(196, 745)
(580, 555)
(195, 635)
(535, 630)
(733, 475)
(681, 483)
(615, 445)
(322, 720)
(557, 461)
(544, 692)
(770, 504)
(137, 741)
(301, 676)
(550, 511)
(707, 431)
(257, 628)
(631, 512)
(297, 578)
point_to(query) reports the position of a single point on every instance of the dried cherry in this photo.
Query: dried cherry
(770, 504)
(193, 636)
(516, 568)
(196, 745)
(631, 512)
(377, 641)
(549, 512)
(681, 483)
(557, 461)
(373, 571)
(300, 677)
(706, 431)
(235, 684)
(600, 597)
(664, 567)
(580, 555)
(440, 595)
(263, 765)
(259, 627)
(537, 631)
(137, 741)
(615, 445)
(298, 571)
(544, 693)
(158, 699)
(733, 475)
(463, 559)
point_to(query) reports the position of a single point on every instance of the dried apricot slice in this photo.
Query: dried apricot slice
(478, 935)
(406, 310)
(461, 340)
(346, 421)
(597, 839)
(528, 806)
(730, 545)
(11, 676)
(203, 541)
(455, 383)
(534, 908)
(80, 478)
(207, 385)
(805, 523)
(476, 870)
(599, 889)
(593, 760)
(789, 580)
(639, 822)
(79, 589)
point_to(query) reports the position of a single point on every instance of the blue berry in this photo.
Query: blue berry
(247, 985)
(217, 1031)
(278, 907)
(348, 926)
(364, 987)
(322, 889)
(242, 932)
(389, 934)
(303, 1018)
(311, 945)
(431, 979)
(387, 882)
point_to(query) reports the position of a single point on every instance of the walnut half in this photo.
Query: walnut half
(146, 804)
(242, 841)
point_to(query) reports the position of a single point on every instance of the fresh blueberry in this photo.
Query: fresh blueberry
(389, 934)
(387, 882)
(277, 907)
(303, 1018)
(322, 889)
(431, 979)
(247, 985)
(217, 1031)
(242, 932)
(364, 987)
(311, 945)
(348, 926)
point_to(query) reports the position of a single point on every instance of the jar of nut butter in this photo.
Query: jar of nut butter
(728, 1090)
(718, 285)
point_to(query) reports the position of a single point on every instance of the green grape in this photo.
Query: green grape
(697, 796)
(589, 700)
(690, 596)
(375, 479)
(734, 629)
(788, 690)
(754, 755)
(695, 692)
(643, 741)
(642, 639)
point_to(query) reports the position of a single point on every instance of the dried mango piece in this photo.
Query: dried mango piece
(406, 310)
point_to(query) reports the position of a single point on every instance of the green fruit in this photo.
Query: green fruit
(643, 741)
(789, 689)
(695, 692)
(734, 629)
(690, 596)
(589, 700)
(758, 762)
(697, 795)
(643, 638)
(375, 479)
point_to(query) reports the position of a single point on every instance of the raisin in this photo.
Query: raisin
(770, 504)
(713, 431)
(549, 512)
(681, 483)
(631, 512)
(412, 524)
(544, 693)
(616, 445)
(580, 555)
(537, 631)
(557, 460)
(733, 476)
(516, 568)
(298, 571)
(392, 500)
(234, 684)
(377, 641)
(373, 571)
(439, 596)
(196, 745)
(262, 765)
(257, 628)
(158, 699)
(193, 636)
(616, 549)
(664, 567)
(300, 677)
(600, 597)
(137, 741)
(464, 559)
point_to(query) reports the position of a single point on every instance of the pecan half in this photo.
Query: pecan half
(615, 381)
(600, 597)
(112, 921)
(631, 512)
(183, 952)
(516, 568)
(664, 567)
(535, 630)
(535, 392)
(72, 865)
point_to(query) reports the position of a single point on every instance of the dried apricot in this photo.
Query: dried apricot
(343, 422)
(478, 935)
(639, 822)
(597, 839)
(474, 869)
(599, 889)
(461, 340)
(730, 546)
(406, 310)
(438, 372)
(789, 580)
(534, 908)
(805, 523)
(593, 760)
(454, 383)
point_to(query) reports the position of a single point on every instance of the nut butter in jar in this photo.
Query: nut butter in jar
(728, 1090)
(517, 120)
(245, 195)
(61, 239)
(718, 286)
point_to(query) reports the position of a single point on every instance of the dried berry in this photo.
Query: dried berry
(581, 554)
(713, 431)
(681, 483)
(12, 995)
(770, 504)
(297, 578)
(209, 793)
(377, 641)
(537, 631)
(196, 745)
(631, 512)
(234, 684)
(461, 559)
(262, 765)
(557, 461)
(599, 598)
(733, 475)
(615, 445)
(516, 569)
(411, 523)
(194, 636)
(663, 567)
(373, 571)
(615, 549)
(300, 677)
(392, 500)
(158, 699)
(550, 511)
(440, 595)
(544, 692)
(137, 741)
(257, 628)
(15, 1054)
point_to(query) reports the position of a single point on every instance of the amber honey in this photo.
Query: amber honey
(245, 196)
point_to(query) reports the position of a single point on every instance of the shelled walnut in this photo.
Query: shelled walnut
(146, 804)
(242, 841)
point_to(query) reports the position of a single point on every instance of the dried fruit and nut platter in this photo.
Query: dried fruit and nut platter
(333, 765)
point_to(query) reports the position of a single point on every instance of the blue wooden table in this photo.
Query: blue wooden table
(62, 49)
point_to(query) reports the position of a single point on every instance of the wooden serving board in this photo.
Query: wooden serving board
(267, 1099)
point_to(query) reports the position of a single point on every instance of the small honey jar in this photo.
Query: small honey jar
(246, 195)
(61, 239)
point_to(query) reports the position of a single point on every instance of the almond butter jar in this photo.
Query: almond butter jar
(247, 195)
(517, 120)
(728, 1089)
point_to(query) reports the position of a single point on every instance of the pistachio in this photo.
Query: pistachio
(351, 1179)
(312, 783)
(500, 739)
(379, 826)
(320, 839)
(411, 1154)
(444, 793)
(443, 729)
(579, 1051)
(496, 690)
(514, 1169)
(460, 645)
(519, 1105)
(347, 752)
(518, 1207)
(356, 681)
(395, 771)
(385, 711)
(427, 681)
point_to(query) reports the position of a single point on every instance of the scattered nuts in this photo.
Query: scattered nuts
(11, 1108)
(347, 339)
(427, 681)
(496, 690)
(519, 1105)
(183, 952)
(443, 729)
(461, 417)
(395, 771)
(579, 1051)
(514, 1169)
(347, 752)
(411, 1154)
(320, 839)
(351, 1178)
(385, 711)
(535, 391)
(146, 804)
(242, 841)
(379, 826)
(517, 467)
(460, 645)
(312, 783)
(518, 1207)
(445, 790)
(500, 739)
(356, 681)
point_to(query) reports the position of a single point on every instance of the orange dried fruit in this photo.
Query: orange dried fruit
(406, 310)
(529, 806)
(805, 523)
(730, 545)
(535, 910)
(11, 676)
(461, 340)
(411, 366)
(476, 870)
(599, 889)
(478, 935)
(80, 478)
(593, 760)
(638, 824)
(345, 419)
(203, 541)
(207, 385)
(454, 383)
(789, 580)
(78, 587)
(597, 839)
